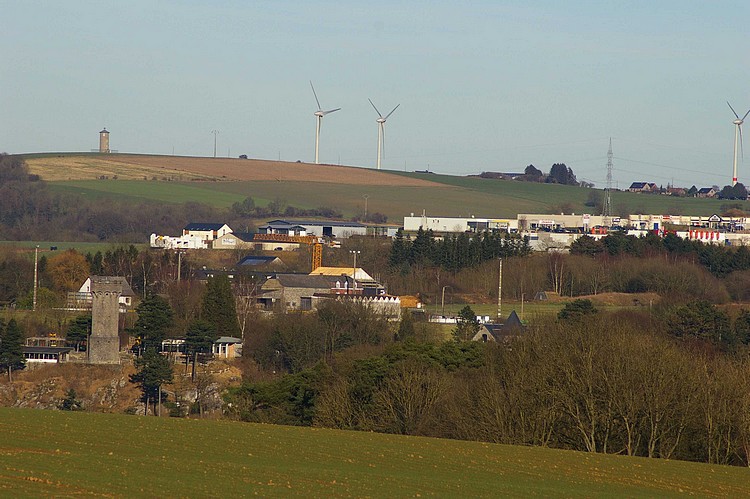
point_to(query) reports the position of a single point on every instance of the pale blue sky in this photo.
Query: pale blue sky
(483, 85)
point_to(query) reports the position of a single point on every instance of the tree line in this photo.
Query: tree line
(619, 383)
(455, 252)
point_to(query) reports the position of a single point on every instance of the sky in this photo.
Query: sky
(482, 85)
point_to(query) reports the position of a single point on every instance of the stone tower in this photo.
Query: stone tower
(104, 141)
(104, 343)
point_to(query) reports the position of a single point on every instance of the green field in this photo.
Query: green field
(465, 196)
(51, 453)
(81, 247)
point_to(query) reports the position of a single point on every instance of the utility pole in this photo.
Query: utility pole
(36, 275)
(179, 265)
(215, 132)
(500, 293)
(607, 208)
(365, 196)
(354, 269)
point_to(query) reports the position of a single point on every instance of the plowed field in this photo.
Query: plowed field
(131, 166)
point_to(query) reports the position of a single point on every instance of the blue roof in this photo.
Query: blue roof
(204, 226)
(253, 260)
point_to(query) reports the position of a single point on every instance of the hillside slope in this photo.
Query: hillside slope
(53, 167)
(45, 453)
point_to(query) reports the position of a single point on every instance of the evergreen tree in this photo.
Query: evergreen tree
(11, 349)
(742, 328)
(467, 325)
(576, 309)
(78, 331)
(70, 402)
(199, 338)
(405, 327)
(154, 370)
(219, 308)
(154, 320)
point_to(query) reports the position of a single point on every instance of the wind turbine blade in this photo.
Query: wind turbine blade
(735, 112)
(375, 108)
(316, 95)
(386, 117)
(748, 112)
(331, 111)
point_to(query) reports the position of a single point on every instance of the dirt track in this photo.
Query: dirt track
(84, 167)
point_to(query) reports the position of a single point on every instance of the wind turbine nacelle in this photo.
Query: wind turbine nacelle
(738, 122)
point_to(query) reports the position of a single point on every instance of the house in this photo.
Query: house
(178, 242)
(234, 240)
(295, 291)
(511, 328)
(643, 187)
(83, 299)
(706, 192)
(227, 347)
(208, 231)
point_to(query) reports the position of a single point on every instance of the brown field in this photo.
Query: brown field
(136, 167)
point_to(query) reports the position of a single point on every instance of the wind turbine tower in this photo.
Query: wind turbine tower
(737, 138)
(381, 129)
(607, 208)
(319, 114)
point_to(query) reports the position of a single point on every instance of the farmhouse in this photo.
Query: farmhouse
(706, 192)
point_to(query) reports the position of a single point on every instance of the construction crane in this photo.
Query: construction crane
(313, 241)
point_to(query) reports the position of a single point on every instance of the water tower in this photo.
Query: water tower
(104, 141)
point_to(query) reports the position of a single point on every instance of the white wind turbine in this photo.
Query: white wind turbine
(319, 113)
(381, 129)
(737, 138)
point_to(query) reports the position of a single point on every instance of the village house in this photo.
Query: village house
(83, 299)
(643, 187)
(511, 328)
(207, 230)
(706, 192)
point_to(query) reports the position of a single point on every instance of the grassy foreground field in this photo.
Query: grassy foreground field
(50, 453)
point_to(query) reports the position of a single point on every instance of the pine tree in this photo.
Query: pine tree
(219, 308)
(199, 338)
(154, 370)
(11, 349)
(154, 320)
